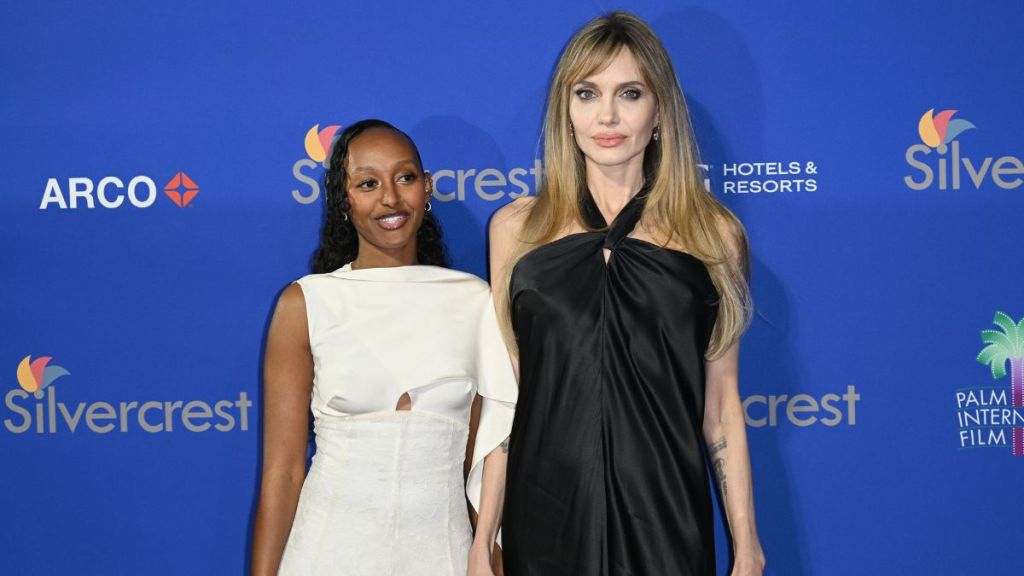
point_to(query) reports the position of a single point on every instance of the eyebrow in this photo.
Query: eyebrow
(589, 84)
(359, 169)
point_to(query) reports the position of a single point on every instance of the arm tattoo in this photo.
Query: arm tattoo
(504, 444)
(717, 447)
(720, 475)
(719, 465)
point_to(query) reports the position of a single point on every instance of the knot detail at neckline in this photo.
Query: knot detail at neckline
(624, 222)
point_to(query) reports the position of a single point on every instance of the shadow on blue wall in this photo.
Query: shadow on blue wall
(707, 51)
(447, 141)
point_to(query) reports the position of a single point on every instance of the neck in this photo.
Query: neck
(614, 186)
(370, 257)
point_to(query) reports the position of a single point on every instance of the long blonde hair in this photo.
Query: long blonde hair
(678, 205)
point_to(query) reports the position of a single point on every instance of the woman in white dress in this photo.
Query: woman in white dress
(389, 350)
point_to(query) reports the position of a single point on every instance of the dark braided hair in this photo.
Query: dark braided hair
(339, 241)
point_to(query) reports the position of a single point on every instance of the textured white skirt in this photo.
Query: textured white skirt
(384, 497)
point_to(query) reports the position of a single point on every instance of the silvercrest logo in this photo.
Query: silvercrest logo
(450, 184)
(950, 166)
(35, 406)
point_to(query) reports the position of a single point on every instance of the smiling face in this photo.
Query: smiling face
(387, 191)
(613, 114)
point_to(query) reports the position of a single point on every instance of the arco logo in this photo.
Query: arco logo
(181, 189)
(939, 133)
(111, 192)
(318, 148)
(35, 375)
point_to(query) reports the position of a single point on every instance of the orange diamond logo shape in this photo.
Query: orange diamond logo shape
(181, 189)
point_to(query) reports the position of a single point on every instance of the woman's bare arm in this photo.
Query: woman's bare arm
(503, 231)
(726, 437)
(287, 384)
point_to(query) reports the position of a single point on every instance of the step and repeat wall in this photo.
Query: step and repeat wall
(161, 185)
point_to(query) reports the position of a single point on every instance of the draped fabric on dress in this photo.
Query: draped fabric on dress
(607, 472)
(385, 494)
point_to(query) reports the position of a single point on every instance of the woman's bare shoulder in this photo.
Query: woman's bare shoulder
(512, 215)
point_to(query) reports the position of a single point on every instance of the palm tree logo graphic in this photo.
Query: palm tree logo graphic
(1002, 346)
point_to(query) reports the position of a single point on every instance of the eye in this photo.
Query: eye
(585, 94)
(367, 184)
(407, 178)
(632, 94)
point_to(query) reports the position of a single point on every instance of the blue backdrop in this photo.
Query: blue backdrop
(159, 192)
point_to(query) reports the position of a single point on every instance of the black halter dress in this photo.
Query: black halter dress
(607, 472)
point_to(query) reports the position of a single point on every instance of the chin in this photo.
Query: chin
(392, 245)
(611, 159)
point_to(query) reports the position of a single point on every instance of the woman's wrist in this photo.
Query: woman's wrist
(749, 552)
(482, 545)
(743, 533)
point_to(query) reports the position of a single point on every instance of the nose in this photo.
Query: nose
(388, 194)
(609, 113)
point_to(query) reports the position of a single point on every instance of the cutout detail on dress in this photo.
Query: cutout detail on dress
(404, 403)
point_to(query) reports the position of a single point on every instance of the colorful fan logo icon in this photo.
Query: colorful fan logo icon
(181, 189)
(941, 129)
(318, 142)
(35, 375)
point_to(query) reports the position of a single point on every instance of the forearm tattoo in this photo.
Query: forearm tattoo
(717, 447)
(504, 444)
(719, 465)
(720, 475)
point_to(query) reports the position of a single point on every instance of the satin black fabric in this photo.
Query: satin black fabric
(606, 470)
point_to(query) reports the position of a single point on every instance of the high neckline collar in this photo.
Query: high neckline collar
(410, 273)
(624, 222)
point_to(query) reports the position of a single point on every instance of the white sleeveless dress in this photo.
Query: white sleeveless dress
(385, 494)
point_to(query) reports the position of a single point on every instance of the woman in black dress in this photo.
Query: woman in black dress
(624, 286)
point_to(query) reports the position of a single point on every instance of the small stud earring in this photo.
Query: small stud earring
(657, 133)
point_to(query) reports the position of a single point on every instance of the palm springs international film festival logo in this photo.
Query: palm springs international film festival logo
(111, 192)
(488, 184)
(939, 161)
(35, 406)
(987, 416)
